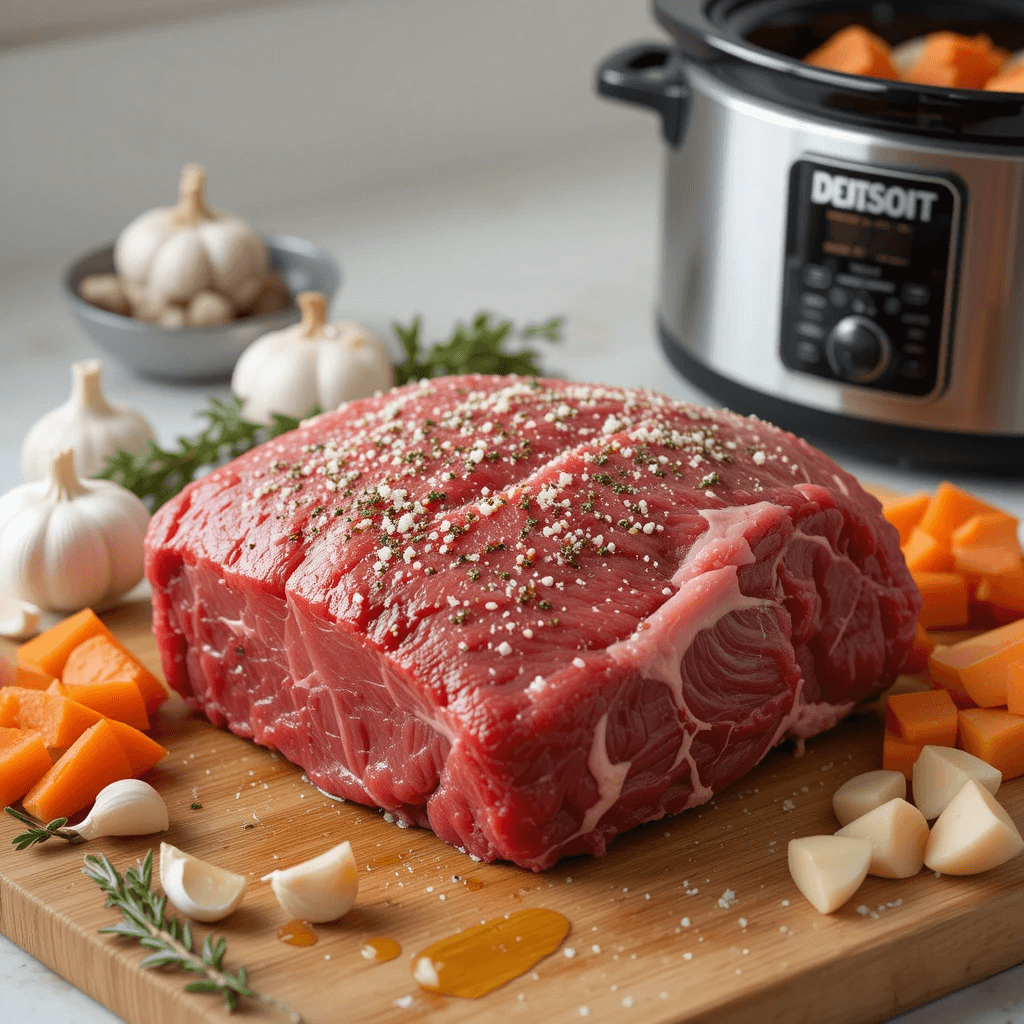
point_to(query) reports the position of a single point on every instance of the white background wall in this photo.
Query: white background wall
(304, 106)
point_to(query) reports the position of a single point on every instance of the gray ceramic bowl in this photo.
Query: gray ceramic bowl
(196, 353)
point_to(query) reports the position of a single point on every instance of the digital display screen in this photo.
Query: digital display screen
(868, 238)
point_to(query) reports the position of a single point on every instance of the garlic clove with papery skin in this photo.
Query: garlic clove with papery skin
(129, 807)
(86, 422)
(197, 888)
(318, 890)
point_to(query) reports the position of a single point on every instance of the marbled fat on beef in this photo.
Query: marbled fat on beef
(528, 614)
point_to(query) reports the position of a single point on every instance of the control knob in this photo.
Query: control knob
(858, 350)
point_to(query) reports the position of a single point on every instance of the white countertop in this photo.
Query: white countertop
(561, 216)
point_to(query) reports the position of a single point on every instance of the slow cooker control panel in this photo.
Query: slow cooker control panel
(872, 256)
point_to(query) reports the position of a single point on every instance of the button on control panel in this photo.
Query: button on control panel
(872, 257)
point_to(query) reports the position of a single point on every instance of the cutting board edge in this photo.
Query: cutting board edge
(792, 1000)
(97, 966)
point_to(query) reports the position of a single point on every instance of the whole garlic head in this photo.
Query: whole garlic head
(318, 890)
(86, 422)
(67, 543)
(172, 253)
(128, 807)
(314, 363)
(197, 888)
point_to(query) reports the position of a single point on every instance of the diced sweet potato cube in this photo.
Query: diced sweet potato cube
(23, 762)
(925, 554)
(60, 719)
(1007, 81)
(980, 665)
(947, 600)
(1015, 687)
(1003, 591)
(49, 651)
(955, 61)
(142, 751)
(101, 659)
(949, 508)
(923, 718)
(899, 754)
(986, 545)
(94, 761)
(118, 699)
(995, 736)
(31, 678)
(855, 51)
(906, 513)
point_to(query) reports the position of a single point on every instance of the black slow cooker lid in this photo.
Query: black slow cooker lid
(757, 46)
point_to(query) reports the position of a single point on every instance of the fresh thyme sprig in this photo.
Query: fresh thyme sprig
(478, 348)
(145, 919)
(40, 833)
(158, 474)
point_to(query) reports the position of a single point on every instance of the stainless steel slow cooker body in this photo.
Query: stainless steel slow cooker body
(840, 255)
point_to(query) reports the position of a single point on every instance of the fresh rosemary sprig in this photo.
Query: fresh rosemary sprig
(158, 474)
(40, 833)
(478, 348)
(145, 919)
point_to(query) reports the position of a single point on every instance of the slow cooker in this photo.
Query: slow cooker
(841, 255)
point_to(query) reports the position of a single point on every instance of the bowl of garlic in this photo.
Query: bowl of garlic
(185, 289)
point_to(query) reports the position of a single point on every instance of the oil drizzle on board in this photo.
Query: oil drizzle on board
(480, 959)
(297, 933)
(380, 948)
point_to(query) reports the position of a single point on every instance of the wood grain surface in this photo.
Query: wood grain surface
(650, 940)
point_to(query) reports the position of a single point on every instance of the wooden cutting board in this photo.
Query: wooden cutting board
(652, 938)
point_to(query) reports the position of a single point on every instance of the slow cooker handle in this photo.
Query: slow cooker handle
(627, 75)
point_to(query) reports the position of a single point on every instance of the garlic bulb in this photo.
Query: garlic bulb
(173, 252)
(314, 363)
(197, 888)
(67, 543)
(86, 422)
(129, 807)
(318, 890)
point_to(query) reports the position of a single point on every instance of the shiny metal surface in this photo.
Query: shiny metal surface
(726, 193)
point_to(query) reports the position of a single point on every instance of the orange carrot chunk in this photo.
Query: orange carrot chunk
(59, 719)
(986, 545)
(949, 508)
(1007, 81)
(23, 762)
(906, 513)
(955, 61)
(980, 664)
(94, 761)
(31, 678)
(899, 754)
(1015, 688)
(119, 699)
(142, 751)
(926, 717)
(947, 600)
(101, 659)
(995, 736)
(1003, 592)
(924, 553)
(49, 651)
(855, 51)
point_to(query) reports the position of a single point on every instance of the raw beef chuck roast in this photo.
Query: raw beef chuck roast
(528, 614)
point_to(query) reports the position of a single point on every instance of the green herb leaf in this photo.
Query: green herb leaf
(145, 920)
(40, 833)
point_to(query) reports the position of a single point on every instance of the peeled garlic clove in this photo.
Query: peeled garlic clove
(318, 890)
(129, 807)
(198, 889)
(898, 835)
(864, 793)
(828, 870)
(18, 620)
